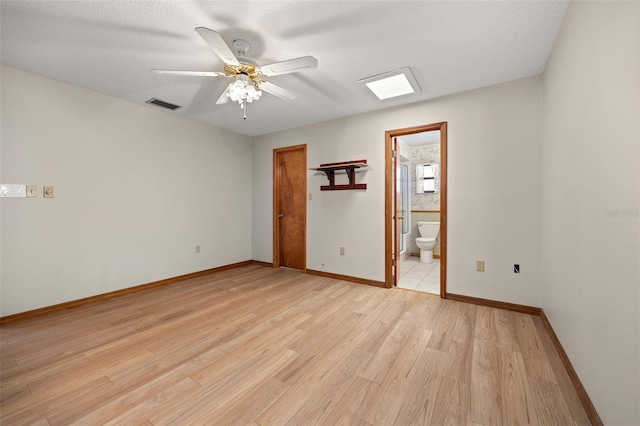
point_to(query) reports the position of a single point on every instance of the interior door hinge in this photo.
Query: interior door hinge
(393, 261)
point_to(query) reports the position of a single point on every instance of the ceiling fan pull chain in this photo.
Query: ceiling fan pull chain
(244, 108)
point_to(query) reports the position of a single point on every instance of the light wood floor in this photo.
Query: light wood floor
(261, 346)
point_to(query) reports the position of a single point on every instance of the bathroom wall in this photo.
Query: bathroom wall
(419, 155)
(136, 189)
(591, 201)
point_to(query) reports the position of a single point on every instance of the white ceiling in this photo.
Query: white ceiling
(111, 46)
(419, 139)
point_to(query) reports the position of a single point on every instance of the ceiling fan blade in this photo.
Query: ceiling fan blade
(276, 90)
(289, 66)
(223, 99)
(215, 41)
(192, 73)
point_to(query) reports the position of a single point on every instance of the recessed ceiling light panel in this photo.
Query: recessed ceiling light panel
(392, 84)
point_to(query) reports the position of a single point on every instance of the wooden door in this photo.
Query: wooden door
(397, 215)
(290, 207)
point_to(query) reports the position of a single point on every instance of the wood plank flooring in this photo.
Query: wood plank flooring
(263, 346)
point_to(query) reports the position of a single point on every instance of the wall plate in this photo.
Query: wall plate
(32, 191)
(10, 190)
(47, 191)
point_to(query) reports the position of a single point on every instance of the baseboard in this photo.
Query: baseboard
(117, 293)
(523, 309)
(594, 418)
(347, 278)
(575, 380)
(261, 263)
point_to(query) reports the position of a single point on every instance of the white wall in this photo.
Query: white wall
(590, 201)
(494, 190)
(136, 188)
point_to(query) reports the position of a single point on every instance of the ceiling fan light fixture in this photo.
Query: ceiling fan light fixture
(392, 84)
(249, 82)
(241, 91)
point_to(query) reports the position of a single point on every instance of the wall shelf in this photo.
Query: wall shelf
(349, 167)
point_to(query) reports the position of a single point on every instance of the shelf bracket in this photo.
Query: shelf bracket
(349, 167)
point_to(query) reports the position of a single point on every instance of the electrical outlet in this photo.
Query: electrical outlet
(341, 251)
(47, 191)
(197, 249)
(480, 265)
(516, 268)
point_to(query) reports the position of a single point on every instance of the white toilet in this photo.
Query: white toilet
(427, 240)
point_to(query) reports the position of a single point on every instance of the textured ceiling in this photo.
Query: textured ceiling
(111, 46)
(424, 138)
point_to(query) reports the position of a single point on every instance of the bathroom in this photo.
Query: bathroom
(419, 183)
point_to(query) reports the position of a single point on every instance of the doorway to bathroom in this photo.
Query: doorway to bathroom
(416, 191)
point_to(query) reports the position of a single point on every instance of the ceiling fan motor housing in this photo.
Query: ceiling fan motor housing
(247, 69)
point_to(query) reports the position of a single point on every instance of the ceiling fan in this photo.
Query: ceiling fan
(249, 77)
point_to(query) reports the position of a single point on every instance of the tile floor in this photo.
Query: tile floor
(418, 276)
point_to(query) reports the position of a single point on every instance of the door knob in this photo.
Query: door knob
(280, 215)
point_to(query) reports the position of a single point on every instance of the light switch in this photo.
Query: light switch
(10, 190)
(47, 191)
(310, 196)
(480, 265)
(32, 191)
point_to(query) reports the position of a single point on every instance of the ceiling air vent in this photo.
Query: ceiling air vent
(163, 104)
